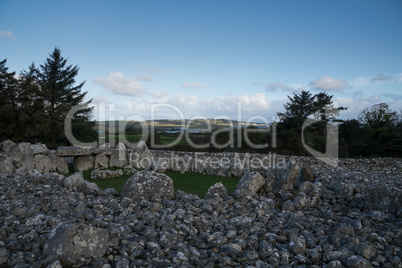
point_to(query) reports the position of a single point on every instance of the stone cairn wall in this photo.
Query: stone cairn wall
(285, 211)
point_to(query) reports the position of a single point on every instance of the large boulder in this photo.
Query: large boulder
(249, 184)
(385, 198)
(22, 156)
(74, 181)
(77, 241)
(59, 164)
(283, 177)
(43, 163)
(73, 151)
(143, 185)
(119, 157)
(101, 161)
(6, 165)
(82, 163)
(305, 174)
(216, 193)
(5, 147)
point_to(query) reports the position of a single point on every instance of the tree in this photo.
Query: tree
(378, 116)
(56, 80)
(8, 102)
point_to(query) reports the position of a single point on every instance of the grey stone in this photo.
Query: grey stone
(59, 164)
(5, 147)
(119, 156)
(22, 156)
(99, 174)
(344, 190)
(4, 254)
(77, 241)
(101, 161)
(143, 185)
(140, 157)
(43, 163)
(216, 189)
(298, 245)
(74, 181)
(358, 262)
(282, 177)
(6, 165)
(385, 198)
(73, 151)
(249, 184)
(367, 250)
(82, 163)
(39, 149)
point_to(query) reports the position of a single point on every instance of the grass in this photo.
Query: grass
(191, 183)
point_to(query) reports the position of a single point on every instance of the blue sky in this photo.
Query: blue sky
(205, 57)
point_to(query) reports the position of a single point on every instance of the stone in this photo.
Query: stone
(99, 174)
(216, 189)
(6, 165)
(355, 261)
(43, 163)
(343, 190)
(77, 241)
(39, 148)
(367, 250)
(305, 174)
(82, 163)
(3, 255)
(59, 164)
(283, 177)
(143, 185)
(119, 156)
(73, 151)
(249, 184)
(5, 147)
(385, 198)
(140, 157)
(298, 245)
(101, 161)
(74, 181)
(22, 156)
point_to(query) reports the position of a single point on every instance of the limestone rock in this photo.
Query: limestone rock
(283, 177)
(140, 157)
(6, 165)
(73, 151)
(43, 163)
(77, 241)
(99, 174)
(119, 157)
(101, 161)
(74, 181)
(59, 164)
(358, 262)
(385, 198)
(249, 184)
(216, 193)
(305, 174)
(143, 185)
(5, 147)
(82, 163)
(22, 156)
(39, 148)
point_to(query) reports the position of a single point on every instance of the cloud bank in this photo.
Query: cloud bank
(119, 84)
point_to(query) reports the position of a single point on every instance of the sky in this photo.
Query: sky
(229, 59)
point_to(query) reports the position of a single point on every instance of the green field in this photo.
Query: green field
(191, 183)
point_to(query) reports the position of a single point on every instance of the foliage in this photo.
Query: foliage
(34, 105)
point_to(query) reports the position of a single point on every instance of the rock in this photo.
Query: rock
(101, 161)
(3, 255)
(249, 184)
(39, 149)
(344, 190)
(6, 165)
(282, 177)
(82, 163)
(5, 147)
(22, 156)
(216, 189)
(367, 250)
(358, 262)
(305, 174)
(59, 164)
(119, 157)
(298, 245)
(74, 181)
(143, 185)
(77, 241)
(73, 151)
(385, 198)
(99, 174)
(140, 157)
(43, 163)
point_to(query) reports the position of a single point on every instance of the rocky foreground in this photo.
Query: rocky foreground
(48, 220)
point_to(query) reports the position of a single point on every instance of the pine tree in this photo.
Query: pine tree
(57, 84)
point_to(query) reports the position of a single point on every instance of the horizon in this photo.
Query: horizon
(206, 57)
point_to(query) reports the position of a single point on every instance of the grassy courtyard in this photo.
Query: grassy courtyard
(191, 183)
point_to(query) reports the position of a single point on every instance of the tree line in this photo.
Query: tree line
(34, 103)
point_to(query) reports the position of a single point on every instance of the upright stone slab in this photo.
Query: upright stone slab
(282, 177)
(22, 156)
(119, 157)
(6, 165)
(140, 157)
(249, 184)
(43, 163)
(82, 163)
(5, 147)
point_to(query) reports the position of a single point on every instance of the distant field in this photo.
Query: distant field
(191, 183)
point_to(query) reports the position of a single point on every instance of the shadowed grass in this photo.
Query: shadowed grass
(191, 183)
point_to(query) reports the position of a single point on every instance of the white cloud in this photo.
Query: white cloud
(379, 78)
(118, 84)
(144, 78)
(282, 87)
(194, 85)
(8, 34)
(328, 83)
